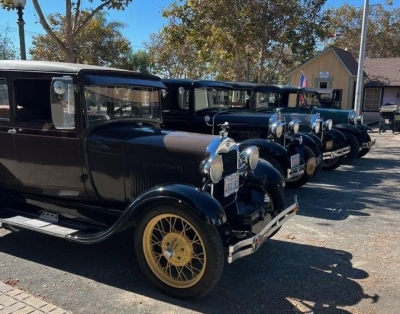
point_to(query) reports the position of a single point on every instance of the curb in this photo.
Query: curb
(16, 301)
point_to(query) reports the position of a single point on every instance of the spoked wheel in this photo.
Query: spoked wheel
(311, 167)
(178, 252)
(332, 164)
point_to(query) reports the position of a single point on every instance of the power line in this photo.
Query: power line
(15, 30)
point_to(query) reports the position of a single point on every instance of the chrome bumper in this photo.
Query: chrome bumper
(295, 171)
(336, 153)
(251, 245)
(368, 144)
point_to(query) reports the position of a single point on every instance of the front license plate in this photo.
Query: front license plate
(328, 145)
(231, 184)
(294, 160)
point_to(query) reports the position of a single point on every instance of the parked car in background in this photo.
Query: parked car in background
(264, 98)
(201, 105)
(83, 157)
(306, 100)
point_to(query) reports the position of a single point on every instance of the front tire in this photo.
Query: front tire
(177, 252)
(277, 200)
(364, 151)
(332, 164)
(311, 168)
(354, 147)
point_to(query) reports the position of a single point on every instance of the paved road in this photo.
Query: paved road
(340, 254)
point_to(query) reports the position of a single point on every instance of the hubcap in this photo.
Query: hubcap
(311, 165)
(174, 250)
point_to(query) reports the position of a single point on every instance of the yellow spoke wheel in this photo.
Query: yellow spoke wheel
(174, 250)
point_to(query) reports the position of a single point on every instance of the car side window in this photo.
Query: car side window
(4, 101)
(32, 100)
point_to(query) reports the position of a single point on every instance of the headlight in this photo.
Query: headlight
(352, 116)
(213, 168)
(327, 125)
(360, 120)
(277, 129)
(250, 156)
(294, 126)
(315, 123)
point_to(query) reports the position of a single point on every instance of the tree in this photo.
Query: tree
(383, 28)
(75, 21)
(139, 61)
(219, 31)
(100, 42)
(7, 49)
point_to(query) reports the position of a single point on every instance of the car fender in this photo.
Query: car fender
(364, 127)
(347, 127)
(315, 138)
(335, 134)
(307, 139)
(273, 176)
(268, 148)
(200, 202)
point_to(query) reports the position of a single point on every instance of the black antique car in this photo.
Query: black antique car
(83, 157)
(201, 105)
(266, 98)
(309, 100)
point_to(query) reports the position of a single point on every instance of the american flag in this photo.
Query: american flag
(303, 80)
(303, 83)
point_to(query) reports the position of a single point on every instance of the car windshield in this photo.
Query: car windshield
(211, 98)
(107, 102)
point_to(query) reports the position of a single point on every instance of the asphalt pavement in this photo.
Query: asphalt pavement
(340, 254)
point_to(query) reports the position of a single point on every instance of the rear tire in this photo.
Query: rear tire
(354, 147)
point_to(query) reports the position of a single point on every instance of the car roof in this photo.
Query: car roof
(64, 67)
(194, 83)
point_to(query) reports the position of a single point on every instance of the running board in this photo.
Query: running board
(40, 225)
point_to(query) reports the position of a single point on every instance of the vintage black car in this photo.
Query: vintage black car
(83, 157)
(264, 98)
(308, 100)
(201, 105)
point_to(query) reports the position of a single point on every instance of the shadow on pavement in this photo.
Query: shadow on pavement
(281, 277)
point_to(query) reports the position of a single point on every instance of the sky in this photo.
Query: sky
(141, 18)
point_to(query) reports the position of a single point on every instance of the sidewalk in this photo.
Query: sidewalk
(16, 301)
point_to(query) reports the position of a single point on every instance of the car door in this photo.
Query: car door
(8, 163)
(49, 160)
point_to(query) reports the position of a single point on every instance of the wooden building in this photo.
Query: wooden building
(333, 68)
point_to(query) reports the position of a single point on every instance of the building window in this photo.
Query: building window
(323, 84)
(372, 99)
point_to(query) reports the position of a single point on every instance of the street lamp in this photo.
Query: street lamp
(20, 5)
(248, 54)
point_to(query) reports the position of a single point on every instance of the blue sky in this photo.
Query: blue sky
(141, 17)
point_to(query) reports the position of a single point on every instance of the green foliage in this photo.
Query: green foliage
(7, 49)
(223, 36)
(382, 40)
(99, 43)
(139, 61)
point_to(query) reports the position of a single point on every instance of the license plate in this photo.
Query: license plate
(294, 160)
(328, 145)
(231, 184)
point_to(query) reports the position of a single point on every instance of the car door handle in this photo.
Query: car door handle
(12, 131)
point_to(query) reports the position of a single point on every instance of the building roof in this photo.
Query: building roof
(348, 60)
(382, 71)
(345, 57)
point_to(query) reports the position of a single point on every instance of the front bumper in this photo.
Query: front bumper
(251, 245)
(367, 145)
(295, 171)
(336, 153)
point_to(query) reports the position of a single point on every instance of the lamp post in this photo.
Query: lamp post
(20, 5)
(248, 53)
(360, 72)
